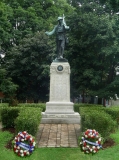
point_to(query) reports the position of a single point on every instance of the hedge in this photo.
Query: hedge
(2, 105)
(114, 112)
(28, 120)
(8, 116)
(21, 118)
(98, 119)
(33, 105)
(78, 105)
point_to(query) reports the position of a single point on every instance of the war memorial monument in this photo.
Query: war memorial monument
(59, 109)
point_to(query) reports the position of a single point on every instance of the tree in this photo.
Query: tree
(30, 66)
(7, 87)
(5, 25)
(30, 16)
(112, 4)
(93, 50)
(28, 19)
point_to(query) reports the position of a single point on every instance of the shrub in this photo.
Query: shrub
(89, 105)
(76, 107)
(3, 105)
(0, 114)
(8, 116)
(36, 105)
(97, 119)
(13, 102)
(28, 120)
(114, 112)
(85, 105)
(91, 108)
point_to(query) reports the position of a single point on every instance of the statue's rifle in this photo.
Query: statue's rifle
(64, 20)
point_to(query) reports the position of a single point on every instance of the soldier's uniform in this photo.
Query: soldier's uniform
(60, 30)
(60, 40)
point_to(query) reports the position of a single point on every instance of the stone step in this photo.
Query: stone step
(61, 118)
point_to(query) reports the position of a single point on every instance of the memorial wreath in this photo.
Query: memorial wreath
(91, 142)
(24, 144)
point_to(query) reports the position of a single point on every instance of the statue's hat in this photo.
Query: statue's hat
(59, 18)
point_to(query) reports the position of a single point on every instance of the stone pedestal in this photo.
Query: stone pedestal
(59, 109)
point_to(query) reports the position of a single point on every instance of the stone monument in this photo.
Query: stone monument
(59, 109)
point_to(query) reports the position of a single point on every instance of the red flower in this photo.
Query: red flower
(19, 154)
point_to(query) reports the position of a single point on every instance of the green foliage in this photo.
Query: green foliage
(7, 87)
(111, 5)
(0, 114)
(2, 105)
(114, 112)
(6, 13)
(42, 106)
(76, 107)
(20, 18)
(115, 136)
(80, 105)
(8, 116)
(97, 119)
(20, 25)
(8, 110)
(24, 117)
(93, 44)
(32, 71)
(4, 138)
(28, 120)
(94, 49)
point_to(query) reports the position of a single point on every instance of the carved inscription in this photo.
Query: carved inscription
(59, 85)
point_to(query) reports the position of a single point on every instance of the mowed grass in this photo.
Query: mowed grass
(111, 153)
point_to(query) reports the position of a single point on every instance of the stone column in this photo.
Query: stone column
(59, 109)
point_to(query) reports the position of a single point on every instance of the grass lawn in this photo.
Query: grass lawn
(59, 153)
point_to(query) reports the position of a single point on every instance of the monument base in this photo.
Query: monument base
(59, 108)
(60, 118)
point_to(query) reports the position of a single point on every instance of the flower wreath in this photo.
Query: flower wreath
(91, 141)
(23, 149)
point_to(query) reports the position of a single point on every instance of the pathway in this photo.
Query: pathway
(58, 135)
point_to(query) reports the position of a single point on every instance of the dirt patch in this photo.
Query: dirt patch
(109, 143)
(11, 130)
(9, 143)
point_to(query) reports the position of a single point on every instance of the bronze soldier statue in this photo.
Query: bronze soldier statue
(61, 39)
